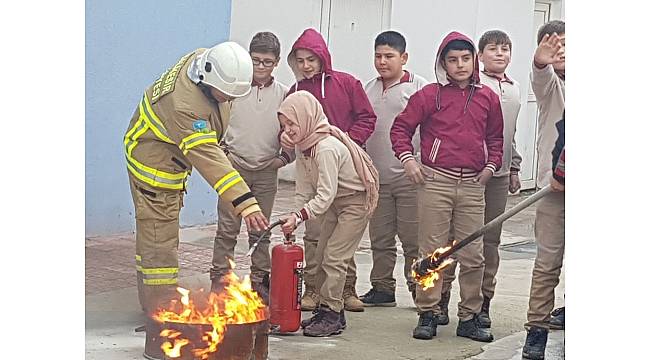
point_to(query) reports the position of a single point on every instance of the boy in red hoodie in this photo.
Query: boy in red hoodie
(461, 140)
(347, 107)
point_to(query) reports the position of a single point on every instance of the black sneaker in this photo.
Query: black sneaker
(443, 318)
(426, 328)
(557, 319)
(535, 345)
(378, 298)
(471, 329)
(344, 324)
(484, 320)
(327, 323)
(306, 322)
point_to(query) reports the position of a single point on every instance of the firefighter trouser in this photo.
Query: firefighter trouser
(441, 201)
(156, 243)
(311, 239)
(342, 227)
(396, 214)
(496, 197)
(264, 186)
(549, 234)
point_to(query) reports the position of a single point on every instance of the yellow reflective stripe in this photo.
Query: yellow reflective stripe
(138, 257)
(171, 270)
(225, 178)
(229, 185)
(160, 281)
(197, 139)
(155, 177)
(153, 121)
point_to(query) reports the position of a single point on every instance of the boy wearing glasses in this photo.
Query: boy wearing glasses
(253, 147)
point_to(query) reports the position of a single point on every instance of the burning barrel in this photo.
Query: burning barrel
(240, 341)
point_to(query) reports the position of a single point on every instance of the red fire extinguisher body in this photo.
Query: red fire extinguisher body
(286, 286)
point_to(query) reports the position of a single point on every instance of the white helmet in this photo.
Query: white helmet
(228, 68)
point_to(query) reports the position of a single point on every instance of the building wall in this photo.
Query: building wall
(128, 45)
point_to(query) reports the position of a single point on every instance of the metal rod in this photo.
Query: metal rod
(421, 266)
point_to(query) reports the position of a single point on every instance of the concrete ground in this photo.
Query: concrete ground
(113, 312)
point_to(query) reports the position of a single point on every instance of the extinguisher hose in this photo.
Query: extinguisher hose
(262, 236)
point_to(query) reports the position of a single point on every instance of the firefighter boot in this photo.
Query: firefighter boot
(471, 329)
(351, 301)
(484, 316)
(535, 345)
(326, 322)
(153, 340)
(310, 299)
(426, 328)
(443, 318)
(557, 319)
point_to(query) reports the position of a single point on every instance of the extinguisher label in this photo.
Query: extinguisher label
(298, 275)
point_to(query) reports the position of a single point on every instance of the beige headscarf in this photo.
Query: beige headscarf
(305, 110)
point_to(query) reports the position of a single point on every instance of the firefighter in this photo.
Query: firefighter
(177, 126)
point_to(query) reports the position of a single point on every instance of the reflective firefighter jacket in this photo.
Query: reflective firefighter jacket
(177, 127)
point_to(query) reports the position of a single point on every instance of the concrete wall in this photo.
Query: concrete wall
(128, 45)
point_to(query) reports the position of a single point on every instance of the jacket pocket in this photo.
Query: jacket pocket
(433, 154)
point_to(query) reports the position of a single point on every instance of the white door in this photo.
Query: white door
(350, 28)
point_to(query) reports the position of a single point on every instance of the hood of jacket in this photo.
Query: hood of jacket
(441, 73)
(313, 41)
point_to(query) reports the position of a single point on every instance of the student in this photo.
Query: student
(346, 186)
(396, 212)
(252, 146)
(494, 50)
(346, 106)
(547, 79)
(461, 137)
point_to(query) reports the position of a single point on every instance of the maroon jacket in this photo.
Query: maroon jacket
(341, 94)
(459, 128)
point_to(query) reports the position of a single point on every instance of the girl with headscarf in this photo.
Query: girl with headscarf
(346, 185)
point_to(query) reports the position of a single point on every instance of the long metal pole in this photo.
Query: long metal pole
(422, 265)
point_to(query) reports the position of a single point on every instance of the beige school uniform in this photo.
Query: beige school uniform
(549, 218)
(396, 213)
(252, 144)
(339, 203)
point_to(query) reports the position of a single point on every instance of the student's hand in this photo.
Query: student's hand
(483, 177)
(290, 223)
(548, 50)
(285, 142)
(256, 221)
(515, 184)
(413, 171)
(556, 186)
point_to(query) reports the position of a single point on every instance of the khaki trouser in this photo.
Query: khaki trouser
(156, 243)
(310, 239)
(264, 186)
(343, 225)
(549, 234)
(441, 201)
(496, 197)
(396, 214)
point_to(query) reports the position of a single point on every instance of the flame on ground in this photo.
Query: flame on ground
(238, 303)
(429, 279)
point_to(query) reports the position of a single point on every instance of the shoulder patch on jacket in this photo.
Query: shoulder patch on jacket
(166, 82)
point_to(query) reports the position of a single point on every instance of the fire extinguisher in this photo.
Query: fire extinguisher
(286, 285)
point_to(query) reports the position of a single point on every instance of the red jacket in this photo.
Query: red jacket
(341, 94)
(459, 128)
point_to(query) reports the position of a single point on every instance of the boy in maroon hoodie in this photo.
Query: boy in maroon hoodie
(461, 139)
(347, 107)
